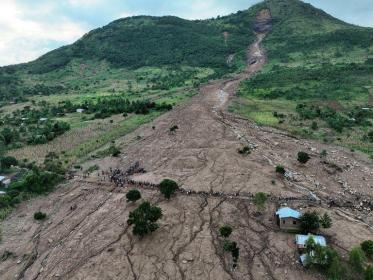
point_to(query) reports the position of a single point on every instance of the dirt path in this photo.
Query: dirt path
(86, 235)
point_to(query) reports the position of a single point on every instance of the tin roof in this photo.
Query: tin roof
(287, 212)
(301, 239)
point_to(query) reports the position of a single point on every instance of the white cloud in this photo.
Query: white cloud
(24, 39)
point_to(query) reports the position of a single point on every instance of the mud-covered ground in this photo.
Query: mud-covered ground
(86, 235)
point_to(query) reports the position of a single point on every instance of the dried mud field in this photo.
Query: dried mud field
(86, 235)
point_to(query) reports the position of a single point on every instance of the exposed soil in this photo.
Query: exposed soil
(86, 235)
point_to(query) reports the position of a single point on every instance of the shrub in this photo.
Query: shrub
(326, 221)
(133, 195)
(39, 216)
(368, 274)
(173, 128)
(323, 153)
(144, 218)
(114, 151)
(7, 162)
(259, 200)
(232, 247)
(367, 247)
(225, 231)
(168, 187)
(309, 222)
(303, 157)
(245, 151)
(314, 126)
(357, 259)
(280, 169)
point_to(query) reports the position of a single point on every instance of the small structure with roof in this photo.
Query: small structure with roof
(2, 193)
(4, 181)
(301, 240)
(80, 110)
(288, 219)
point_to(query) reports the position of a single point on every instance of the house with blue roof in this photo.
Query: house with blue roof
(301, 240)
(288, 219)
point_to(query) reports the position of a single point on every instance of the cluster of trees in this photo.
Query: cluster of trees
(328, 261)
(228, 245)
(12, 87)
(145, 217)
(312, 221)
(31, 182)
(176, 78)
(33, 134)
(333, 82)
(336, 120)
(150, 41)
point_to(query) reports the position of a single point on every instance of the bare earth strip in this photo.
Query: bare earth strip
(86, 235)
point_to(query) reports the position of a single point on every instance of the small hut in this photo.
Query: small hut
(288, 219)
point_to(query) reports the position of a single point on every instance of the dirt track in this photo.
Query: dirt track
(86, 235)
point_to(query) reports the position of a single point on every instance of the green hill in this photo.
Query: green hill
(318, 82)
(313, 58)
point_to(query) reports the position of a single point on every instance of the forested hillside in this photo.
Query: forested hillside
(318, 80)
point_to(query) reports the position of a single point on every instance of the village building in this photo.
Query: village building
(43, 119)
(301, 240)
(288, 219)
(80, 110)
(4, 181)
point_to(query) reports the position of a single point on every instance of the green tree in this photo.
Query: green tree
(231, 246)
(368, 274)
(357, 260)
(367, 247)
(309, 222)
(168, 187)
(7, 162)
(303, 157)
(39, 215)
(314, 126)
(280, 169)
(326, 221)
(174, 128)
(144, 218)
(133, 195)
(225, 231)
(260, 200)
(114, 151)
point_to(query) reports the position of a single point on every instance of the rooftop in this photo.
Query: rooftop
(287, 212)
(301, 239)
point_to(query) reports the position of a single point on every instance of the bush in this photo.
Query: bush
(259, 200)
(368, 275)
(114, 151)
(7, 162)
(245, 151)
(367, 247)
(173, 128)
(280, 169)
(326, 221)
(232, 247)
(225, 231)
(314, 126)
(133, 195)
(309, 222)
(144, 218)
(168, 187)
(39, 216)
(357, 260)
(303, 157)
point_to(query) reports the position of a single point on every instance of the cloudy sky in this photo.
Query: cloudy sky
(29, 28)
